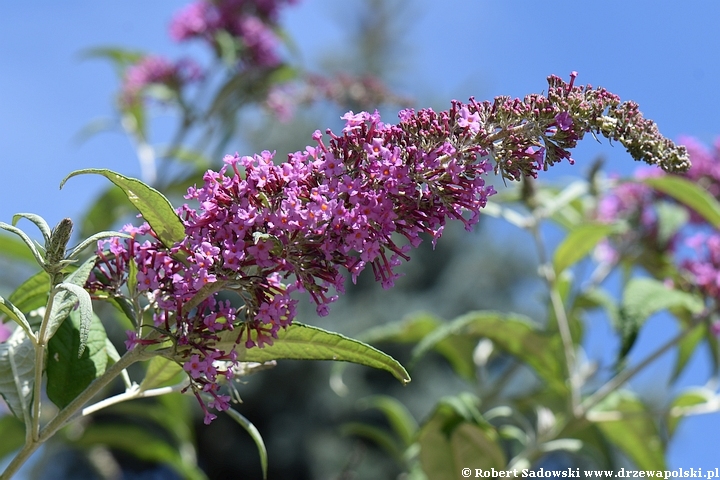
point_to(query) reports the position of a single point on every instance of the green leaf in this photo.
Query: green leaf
(624, 421)
(66, 300)
(515, 334)
(68, 375)
(142, 444)
(85, 310)
(690, 398)
(450, 440)
(13, 435)
(105, 211)
(15, 315)
(379, 436)
(160, 372)
(304, 342)
(578, 243)
(457, 349)
(93, 239)
(17, 373)
(644, 296)
(671, 217)
(154, 207)
(255, 434)
(37, 220)
(401, 420)
(32, 293)
(686, 347)
(689, 194)
(14, 249)
(28, 243)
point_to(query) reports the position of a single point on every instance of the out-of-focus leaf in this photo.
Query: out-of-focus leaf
(451, 440)
(379, 436)
(161, 372)
(154, 207)
(255, 434)
(105, 211)
(401, 420)
(515, 334)
(688, 398)
(14, 249)
(689, 194)
(13, 435)
(633, 431)
(32, 293)
(15, 315)
(457, 349)
(17, 373)
(142, 444)
(118, 56)
(670, 218)
(578, 243)
(29, 244)
(687, 345)
(644, 296)
(304, 342)
(68, 375)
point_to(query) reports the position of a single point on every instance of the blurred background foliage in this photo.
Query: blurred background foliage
(321, 421)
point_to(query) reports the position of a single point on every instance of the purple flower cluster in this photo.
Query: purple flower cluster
(361, 198)
(157, 70)
(250, 22)
(696, 246)
(364, 91)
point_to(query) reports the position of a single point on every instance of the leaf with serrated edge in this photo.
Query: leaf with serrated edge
(17, 372)
(304, 342)
(67, 374)
(254, 433)
(153, 205)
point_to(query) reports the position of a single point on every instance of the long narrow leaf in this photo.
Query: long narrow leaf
(255, 434)
(154, 207)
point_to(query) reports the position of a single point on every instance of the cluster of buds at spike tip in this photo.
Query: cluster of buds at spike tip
(355, 199)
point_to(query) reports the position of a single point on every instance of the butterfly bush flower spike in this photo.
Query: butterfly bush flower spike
(267, 231)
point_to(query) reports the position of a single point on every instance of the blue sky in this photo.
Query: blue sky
(661, 54)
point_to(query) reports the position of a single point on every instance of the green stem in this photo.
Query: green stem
(622, 377)
(72, 409)
(39, 364)
(548, 274)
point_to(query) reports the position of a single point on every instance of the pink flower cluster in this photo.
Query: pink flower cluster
(361, 198)
(696, 246)
(251, 22)
(158, 70)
